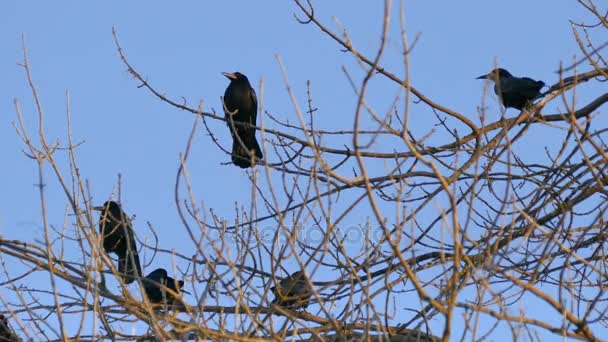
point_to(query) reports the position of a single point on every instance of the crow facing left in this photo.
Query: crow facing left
(118, 237)
(515, 92)
(241, 106)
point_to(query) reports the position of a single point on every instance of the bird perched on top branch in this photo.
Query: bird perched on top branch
(241, 106)
(515, 92)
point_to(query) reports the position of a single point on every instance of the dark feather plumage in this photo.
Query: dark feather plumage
(7, 334)
(241, 104)
(292, 292)
(118, 238)
(515, 92)
(159, 286)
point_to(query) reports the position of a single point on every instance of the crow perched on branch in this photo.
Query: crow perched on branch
(118, 238)
(292, 292)
(241, 105)
(515, 92)
(156, 284)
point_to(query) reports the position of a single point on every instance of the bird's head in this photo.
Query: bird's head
(235, 76)
(158, 275)
(495, 74)
(297, 274)
(110, 206)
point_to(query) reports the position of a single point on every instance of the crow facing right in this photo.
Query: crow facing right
(156, 284)
(118, 237)
(241, 104)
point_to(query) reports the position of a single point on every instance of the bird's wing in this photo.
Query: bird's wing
(133, 252)
(509, 85)
(524, 86)
(126, 220)
(131, 234)
(254, 99)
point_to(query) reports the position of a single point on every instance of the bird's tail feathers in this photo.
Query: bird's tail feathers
(129, 268)
(240, 157)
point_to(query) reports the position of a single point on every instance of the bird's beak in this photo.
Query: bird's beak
(482, 77)
(99, 208)
(231, 76)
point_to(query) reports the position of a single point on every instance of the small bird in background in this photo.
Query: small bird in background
(156, 284)
(515, 92)
(241, 104)
(292, 292)
(118, 238)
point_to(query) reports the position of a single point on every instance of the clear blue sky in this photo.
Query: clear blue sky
(182, 48)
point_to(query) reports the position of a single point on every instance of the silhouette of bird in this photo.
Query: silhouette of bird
(118, 238)
(6, 332)
(292, 292)
(241, 104)
(515, 92)
(156, 284)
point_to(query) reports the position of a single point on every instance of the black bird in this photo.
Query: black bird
(156, 285)
(292, 292)
(515, 92)
(6, 332)
(241, 104)
(118, 238)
